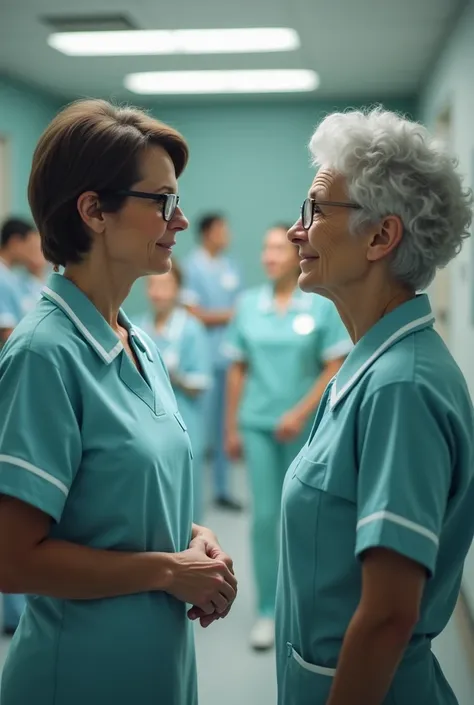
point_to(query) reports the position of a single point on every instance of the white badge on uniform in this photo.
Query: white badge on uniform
(229, 281)
(171, 359)
(304, 324)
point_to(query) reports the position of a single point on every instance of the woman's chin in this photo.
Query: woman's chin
(307, 283)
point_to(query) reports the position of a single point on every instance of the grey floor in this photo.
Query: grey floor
(229, 671)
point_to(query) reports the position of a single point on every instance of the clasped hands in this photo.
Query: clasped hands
(207, 579)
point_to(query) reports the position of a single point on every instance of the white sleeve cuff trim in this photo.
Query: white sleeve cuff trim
(340, 349)
(7, 320)
(197, 380)
(232, 352)
(396, 519)
(189, 298)
(10, 460)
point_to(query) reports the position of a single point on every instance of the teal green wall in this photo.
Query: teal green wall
(252, 163)
(24, 113)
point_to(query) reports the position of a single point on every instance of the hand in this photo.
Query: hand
(289, 427)
(208, 540)
(203, 581)
(233, 445)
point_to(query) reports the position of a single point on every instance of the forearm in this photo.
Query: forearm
(235, 385)
(68, 571)
(308, 405)
(211, 319)
(368, 660)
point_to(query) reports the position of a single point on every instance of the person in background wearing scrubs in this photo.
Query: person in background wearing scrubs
(95, 461)
(33, 277)
(212, 283)
(285, 346)
(378, 506)
(19, 244)
(183, 344)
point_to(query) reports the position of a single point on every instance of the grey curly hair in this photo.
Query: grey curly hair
(395, 167)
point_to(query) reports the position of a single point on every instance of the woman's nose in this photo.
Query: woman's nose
(180, 222)
(297, 232)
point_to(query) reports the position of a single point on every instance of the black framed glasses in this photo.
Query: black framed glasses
(310, 207)
(169, 200)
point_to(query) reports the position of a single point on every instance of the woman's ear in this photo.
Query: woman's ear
(89, 209)
(386, 238)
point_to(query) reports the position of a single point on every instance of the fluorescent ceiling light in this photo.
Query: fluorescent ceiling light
(186, 41)
(198, 82)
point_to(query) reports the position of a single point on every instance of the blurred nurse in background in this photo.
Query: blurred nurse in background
(285, 346)
(183, 344)
(211, 287)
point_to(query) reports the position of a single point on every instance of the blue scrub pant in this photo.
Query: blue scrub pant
(267, 461)
(13, 606)
(216, 419)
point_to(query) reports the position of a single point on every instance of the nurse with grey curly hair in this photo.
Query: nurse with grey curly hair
(377, 508)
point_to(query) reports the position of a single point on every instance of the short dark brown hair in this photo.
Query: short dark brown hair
(91, 145)
(206, 222)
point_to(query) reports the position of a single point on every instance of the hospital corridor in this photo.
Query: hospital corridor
(236, 369)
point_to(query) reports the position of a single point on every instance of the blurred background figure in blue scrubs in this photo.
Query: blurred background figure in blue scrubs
(182, 342)
(285, 346)
(33, 275)
(19, 247)
(212, 282)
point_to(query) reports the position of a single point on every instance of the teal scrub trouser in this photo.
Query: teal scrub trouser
(267, 461)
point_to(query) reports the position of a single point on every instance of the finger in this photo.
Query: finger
(218, 554)
(227, 590)
(220, 603)
(208, 620)
(195, 613)
(206, 607)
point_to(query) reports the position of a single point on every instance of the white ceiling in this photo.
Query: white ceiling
(358, 47)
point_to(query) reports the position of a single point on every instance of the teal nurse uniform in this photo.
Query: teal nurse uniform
(11, 312)
(390, 463)
(184, 347)
(285, 353)
(103, 450)
(214, 283)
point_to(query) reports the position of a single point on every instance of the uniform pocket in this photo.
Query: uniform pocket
(311, 473)
(306, 683)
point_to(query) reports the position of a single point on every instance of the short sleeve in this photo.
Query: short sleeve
(40, 440)
(234, 347)
(195, 356)
(191, 294)
(335, 341)
(405, 472)
(8, 307)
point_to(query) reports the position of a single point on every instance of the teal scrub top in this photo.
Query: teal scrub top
(184, 347)
(213, 284)
(390, 463)
(285, 352)
(103, 450)
(11, 311)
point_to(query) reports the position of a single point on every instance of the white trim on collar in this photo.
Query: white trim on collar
(336, 396)
(107, 357)
(134, 331)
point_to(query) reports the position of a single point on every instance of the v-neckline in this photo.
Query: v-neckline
(136, 378)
